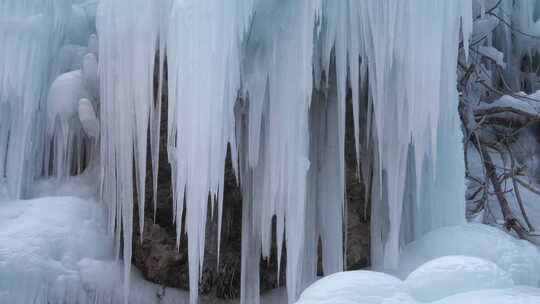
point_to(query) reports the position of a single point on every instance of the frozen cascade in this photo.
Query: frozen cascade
(267, 79)
(270, 52)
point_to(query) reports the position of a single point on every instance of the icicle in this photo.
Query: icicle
(155, 114)
(278, 73)
(204, 79)
(128, 32)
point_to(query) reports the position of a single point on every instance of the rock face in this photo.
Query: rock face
(162, 262)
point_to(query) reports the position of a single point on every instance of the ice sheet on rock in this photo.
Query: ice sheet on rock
(519, 258)
(451, 275)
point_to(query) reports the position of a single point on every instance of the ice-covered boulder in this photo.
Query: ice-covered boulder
(352, 287)
(519, 258)
(451, 275)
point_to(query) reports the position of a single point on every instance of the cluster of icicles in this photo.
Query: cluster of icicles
(248, 75)
(269, 80)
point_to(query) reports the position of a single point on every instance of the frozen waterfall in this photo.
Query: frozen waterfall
(81, 85)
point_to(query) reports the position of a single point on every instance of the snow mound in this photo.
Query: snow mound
(466, 264)
(41, 242)
(451, 275)
(519, 258)
(352, 287)
(55, 250)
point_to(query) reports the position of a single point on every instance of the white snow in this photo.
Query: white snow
(56, 250)
(447, 280)
(519, 258)
(471, 263)
(450, 275)
(42, 242)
